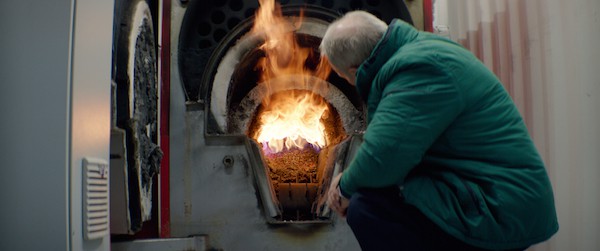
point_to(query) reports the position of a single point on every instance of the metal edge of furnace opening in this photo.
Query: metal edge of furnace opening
(338, 158)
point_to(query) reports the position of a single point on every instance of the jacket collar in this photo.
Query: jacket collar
(398, 34)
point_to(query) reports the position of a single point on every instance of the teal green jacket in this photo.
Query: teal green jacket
(443, 128)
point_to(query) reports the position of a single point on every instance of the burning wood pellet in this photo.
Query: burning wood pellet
(299, 165)
(293, 166)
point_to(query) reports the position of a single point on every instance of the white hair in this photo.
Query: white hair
(350, 40)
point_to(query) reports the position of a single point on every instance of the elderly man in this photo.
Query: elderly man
(446, 162)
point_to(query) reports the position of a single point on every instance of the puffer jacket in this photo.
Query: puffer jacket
(443, 128)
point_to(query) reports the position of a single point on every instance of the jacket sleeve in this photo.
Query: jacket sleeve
(415, 107)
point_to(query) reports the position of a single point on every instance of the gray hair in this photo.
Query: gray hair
(350, 40)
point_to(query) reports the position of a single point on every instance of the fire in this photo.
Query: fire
(292, 118)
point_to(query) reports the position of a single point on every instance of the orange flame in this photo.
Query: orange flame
(293, 119)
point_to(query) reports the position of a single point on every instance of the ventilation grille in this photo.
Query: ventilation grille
(95, 198)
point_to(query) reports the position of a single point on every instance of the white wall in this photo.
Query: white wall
(574, 120)
(546, 53)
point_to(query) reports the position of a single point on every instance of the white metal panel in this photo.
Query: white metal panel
(89, 105)
(34, 113)
(55, 78)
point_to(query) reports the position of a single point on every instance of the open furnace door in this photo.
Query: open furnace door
(135, 154)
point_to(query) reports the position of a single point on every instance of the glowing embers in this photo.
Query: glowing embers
(297, 130)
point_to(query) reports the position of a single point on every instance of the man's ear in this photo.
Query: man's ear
(352, 75)
(353, 71)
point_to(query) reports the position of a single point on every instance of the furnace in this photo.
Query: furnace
(271, 86)
(267, 124)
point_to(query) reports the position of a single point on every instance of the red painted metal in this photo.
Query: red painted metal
(428, 15)
(165, 92)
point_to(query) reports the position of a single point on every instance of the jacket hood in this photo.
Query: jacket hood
(397, 35)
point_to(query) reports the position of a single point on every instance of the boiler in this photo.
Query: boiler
(258, 125)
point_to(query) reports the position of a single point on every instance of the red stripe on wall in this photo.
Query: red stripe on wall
(428, 15)
(165, 94)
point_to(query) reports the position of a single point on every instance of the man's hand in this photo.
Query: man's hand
(336, 201)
